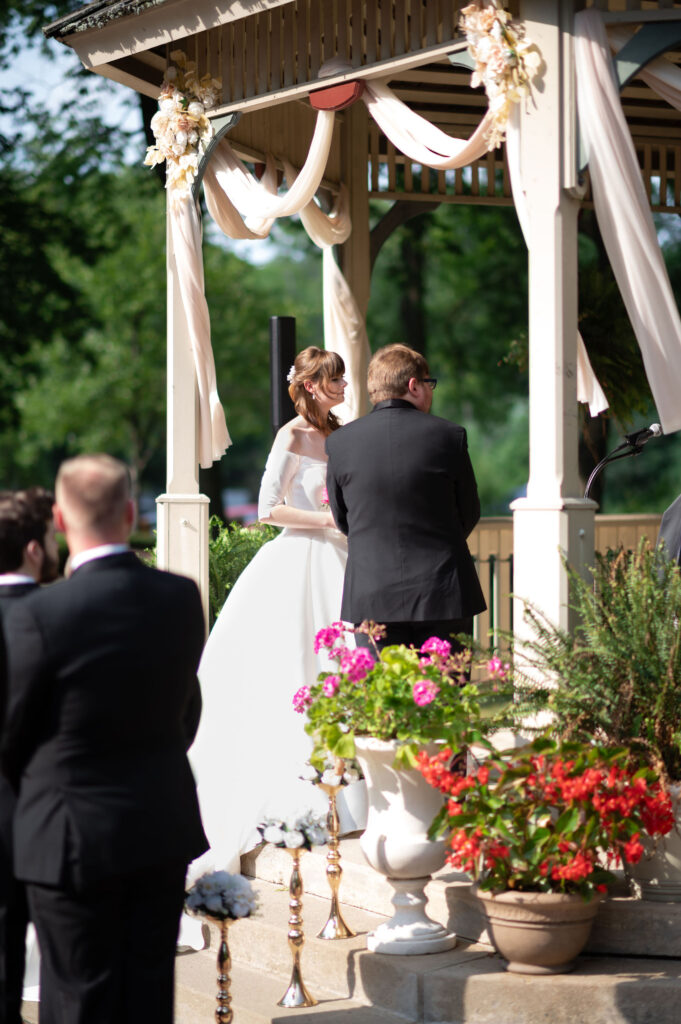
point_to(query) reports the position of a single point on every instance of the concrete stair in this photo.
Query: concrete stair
(624, 926)
(631, 973)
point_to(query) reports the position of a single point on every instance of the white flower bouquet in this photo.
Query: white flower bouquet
(222, 896)
(340, 772)
(181, 126)
(300, 833)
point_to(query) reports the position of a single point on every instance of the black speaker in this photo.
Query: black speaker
(282, 354)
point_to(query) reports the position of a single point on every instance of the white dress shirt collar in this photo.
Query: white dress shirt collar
(103, 551)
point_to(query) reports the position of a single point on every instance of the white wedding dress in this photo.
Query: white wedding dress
(251, 745)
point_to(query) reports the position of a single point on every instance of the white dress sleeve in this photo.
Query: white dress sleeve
(280, 469)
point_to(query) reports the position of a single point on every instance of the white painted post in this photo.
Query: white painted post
(553, 518)
(182, 513)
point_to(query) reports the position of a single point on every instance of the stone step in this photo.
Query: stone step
(625, 926)
(255, 995)
(466, 985)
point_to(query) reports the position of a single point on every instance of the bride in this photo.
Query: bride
(251, 745)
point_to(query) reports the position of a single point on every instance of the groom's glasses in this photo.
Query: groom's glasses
(430, 381)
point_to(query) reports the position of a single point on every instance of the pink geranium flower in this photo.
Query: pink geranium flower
(425, 692)
(356, 664)
(301, 700)
(328, 636)
(330, 687)
(434, 645)
(497, 668)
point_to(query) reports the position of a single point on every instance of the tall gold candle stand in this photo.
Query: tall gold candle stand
(296, 994)
(223, 1011)
(335, 927)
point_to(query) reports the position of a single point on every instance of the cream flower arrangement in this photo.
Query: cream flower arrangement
(506, 61)
(181, 127)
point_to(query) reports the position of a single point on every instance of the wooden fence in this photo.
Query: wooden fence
(491, 545)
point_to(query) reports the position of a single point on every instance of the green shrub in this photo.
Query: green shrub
(231, 548)
(617, 679)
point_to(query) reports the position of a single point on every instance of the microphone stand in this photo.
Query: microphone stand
(618, 453)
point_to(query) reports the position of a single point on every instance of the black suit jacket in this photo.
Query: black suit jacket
(9, 593)
(401, 486)
(103, 703)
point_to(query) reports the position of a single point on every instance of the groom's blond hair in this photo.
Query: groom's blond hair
(93, 492)
(390, 370)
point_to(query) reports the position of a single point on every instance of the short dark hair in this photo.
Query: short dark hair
(24, 516)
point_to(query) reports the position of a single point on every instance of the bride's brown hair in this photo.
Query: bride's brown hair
(319, 367)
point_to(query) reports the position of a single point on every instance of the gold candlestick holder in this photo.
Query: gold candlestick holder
(296, 994)
(223, 1010)
(335, 927)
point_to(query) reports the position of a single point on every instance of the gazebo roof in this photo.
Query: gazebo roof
(269, 54)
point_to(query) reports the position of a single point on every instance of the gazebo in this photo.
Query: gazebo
(282, 63)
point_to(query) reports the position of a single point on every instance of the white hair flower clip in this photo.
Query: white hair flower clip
(291, 374)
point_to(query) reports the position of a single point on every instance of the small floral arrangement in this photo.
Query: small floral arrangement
(505, 61)
(549, 817)
(300, 833)
(340, 773)
(181, 128)
(414, 696)
(221, 896)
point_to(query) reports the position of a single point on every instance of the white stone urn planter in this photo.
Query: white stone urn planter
(657, 876)
(352, 806)
(395, 842)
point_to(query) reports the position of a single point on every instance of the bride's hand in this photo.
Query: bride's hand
(330, 522)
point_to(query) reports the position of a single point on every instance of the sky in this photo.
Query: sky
(51, 81)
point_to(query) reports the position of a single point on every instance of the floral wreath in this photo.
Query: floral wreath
(505, 61)
(180, 126)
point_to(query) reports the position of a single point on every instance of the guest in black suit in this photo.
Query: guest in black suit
(103, 703)
(28, 556)
(401, 486)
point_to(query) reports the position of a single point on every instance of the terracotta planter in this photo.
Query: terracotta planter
(395, 842)
(538, 932)
(657, 876)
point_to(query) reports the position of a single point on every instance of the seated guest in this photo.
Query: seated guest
(103, 703)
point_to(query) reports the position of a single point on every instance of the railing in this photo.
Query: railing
(491, 545)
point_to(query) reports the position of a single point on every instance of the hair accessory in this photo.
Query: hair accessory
(291, 374)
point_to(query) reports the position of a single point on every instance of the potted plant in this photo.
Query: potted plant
(538, 829)
(384, 707)
(616, 678)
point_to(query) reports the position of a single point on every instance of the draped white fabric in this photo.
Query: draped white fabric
(222, 209)
(415, 136)
(625, 220)
(344, 327)
(589, 390)
(245, 208)
(185, 232)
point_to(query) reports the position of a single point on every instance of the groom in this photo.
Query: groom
(401, 486)
(103, 703)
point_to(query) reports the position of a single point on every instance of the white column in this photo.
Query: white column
(182, 513)
(553, 518)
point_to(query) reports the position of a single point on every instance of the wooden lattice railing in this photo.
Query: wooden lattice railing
(491, 545)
